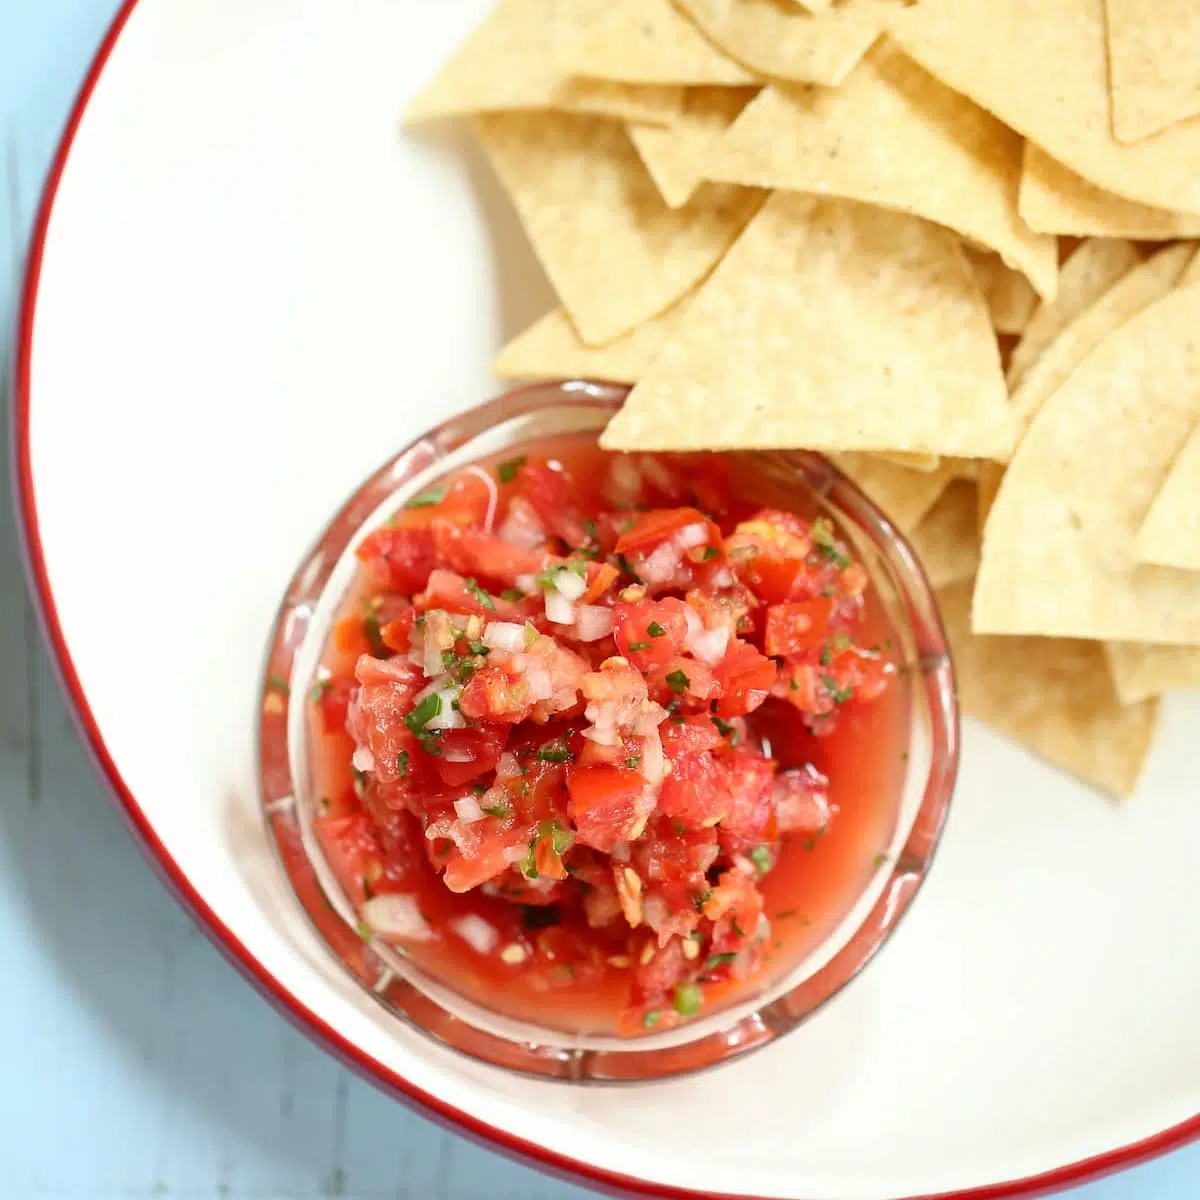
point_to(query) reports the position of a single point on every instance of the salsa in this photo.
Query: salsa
(606, 742)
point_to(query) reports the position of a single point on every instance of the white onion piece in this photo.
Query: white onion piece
(504, 635)
(656, 473)
(431, 659)
(660, 565)
(558, 608)
(603, 735)
(571, 585)
(619, 852)
(449, 717)
(654, 911)
(527, 583)
(521, 527)
(592, 622)
(541, 686)
(508, 767)
(396, 915)
(624, 482)
(481, 936)
(467, 807)
(653, 764)
(691, 536)
(709, 645)
(363, 759)
(514, 854)
(455, 755)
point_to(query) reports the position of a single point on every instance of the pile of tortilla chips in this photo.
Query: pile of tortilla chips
(942, 242)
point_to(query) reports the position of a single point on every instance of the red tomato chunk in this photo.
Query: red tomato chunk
(562, 710)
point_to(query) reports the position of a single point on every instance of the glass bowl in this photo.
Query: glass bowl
(297, 640)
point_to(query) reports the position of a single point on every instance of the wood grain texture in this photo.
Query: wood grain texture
(134, 1063)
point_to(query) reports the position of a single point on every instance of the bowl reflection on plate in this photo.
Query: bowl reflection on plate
(311, 604)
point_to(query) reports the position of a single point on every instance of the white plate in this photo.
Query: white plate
(247, 288)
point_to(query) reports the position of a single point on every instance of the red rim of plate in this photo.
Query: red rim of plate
(572, 1170)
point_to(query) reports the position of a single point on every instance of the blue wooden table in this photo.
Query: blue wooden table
(134, 1062)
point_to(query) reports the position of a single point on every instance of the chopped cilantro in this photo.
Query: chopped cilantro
(367, 889)
(760, 856)
(477, 648)
(839, 695)
(738, 929)
(512, 595)
(363, 930)
(823, 539)
(793, 686)
(319, 689)
(651, 1018)
(634, 761)
(478, 789)
(709, 552)
(555, 752)
(636, 646)
(701, 900)
(561, 840)
(423, 713)
(449, 659)
(679, 827)
(880, 859)
(726, 730)
(841, 641)
(507, 471)
(360, 782)
(428, 499)
(480, 594)
(904, 756)
(654, 629)
(528, 865)
(627, 567)
(719, 960)
(589, 527)
(688, 999)
(277, 683)
(402, 763)
(576, 566)
(826, 655)
(678, 682)
(374, 640)
(496, 810)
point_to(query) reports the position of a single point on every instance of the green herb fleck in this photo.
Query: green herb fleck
(589, 527)
(512, 595)
(361, 780)
(374, 640)
(319, 689)
(555, 752)
(678, 682)
(793, 686)
(654, 629)
(634, 647)
(627, 567)
(367, 890)
(478, 648)
(428, 499)
(651, 1018)
(634, 761)
(823, 539)
(709, 552)
(276, 683)
(507, 471)
(402, 764)
(760, 856)
(880, 859)
(363, 930)
(839, 695)
(719, 960)
(688, 999)
(480, 594)
(496, 810)
(423, 713)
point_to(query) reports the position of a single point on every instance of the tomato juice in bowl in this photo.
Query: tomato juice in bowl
(605, 766)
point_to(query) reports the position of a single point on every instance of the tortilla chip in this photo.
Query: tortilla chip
(903, 495)
(830, 326)
(775, 38)
(1009, 295)
(947, 539)
(638, 41)
(914, 462)
(1153, 49)
(1053, 696)
(1191, 273)
(991, 475)
(1058, 549)
(1042, 69)
(892, 136)
(508, 63)
(813, 6)
(1092, 268)
(615, 254)
(1141, 286)
(674, 155)
(551, 349)
(1170, 534)
(1056, 200)
(1140, 671)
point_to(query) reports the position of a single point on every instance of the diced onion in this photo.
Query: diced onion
(456, 755)
(655, 912)
(479, 934)
(653, 764)
(571, 585)
(619, 852)
(592, 622)
(691, 535)
(431, 659)
(656, 472)
(558, 608)
(396, 915)
(710, 645)
(521, 527)
(508, 767)
(541, 686)
(514, 854)
(363, 759)
(527, 583)
(624, 482)
(449, 717)
(504, 635)
(468, 808)
(660, 565)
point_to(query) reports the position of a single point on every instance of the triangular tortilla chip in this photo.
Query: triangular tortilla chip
(813, 6)
(775, 38)
(830, 326)
(1056, 200)
(1153, 51)
(508, 63)
(893, 136)
(1058, 548)
(1010, 296)
(947, 539)
(1052, 695)
(1140, 671)
(1170, 534)
(551, 349)
(614, 252)
(1090, 270)
(674, 155)
(904, 494)
(1145, 283)
(1041, 67)
(638, 41)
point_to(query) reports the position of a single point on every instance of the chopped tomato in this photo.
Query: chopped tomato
(745, 678)
(398, 560)
(333, 701)
(607, 805)
(696, 792)
(468, 753)
(549, 491)
(652, 528)
(689, 735)
(464, 498)
(650, 633)
(483, 555)
(796, 627)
